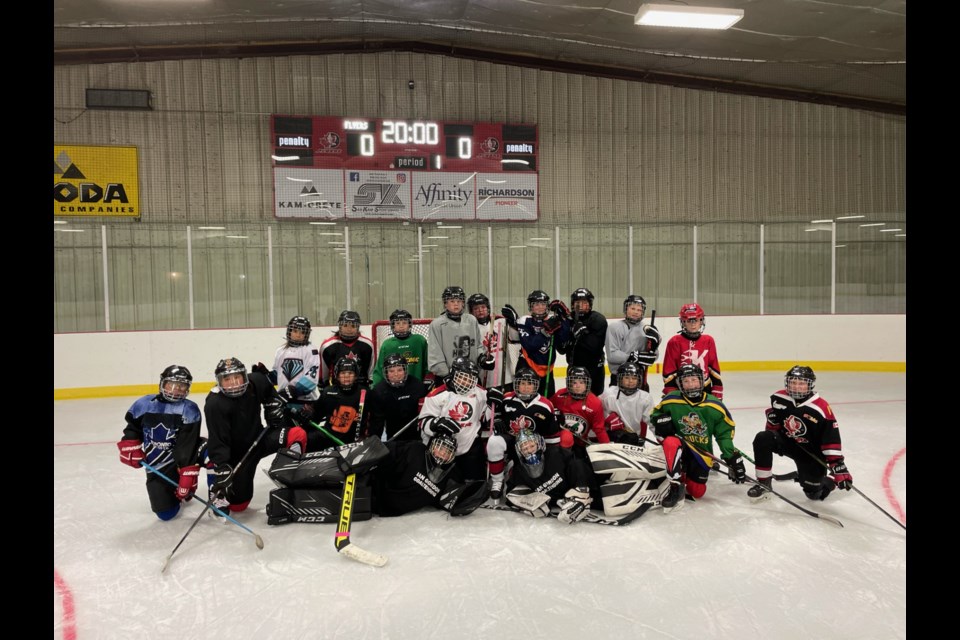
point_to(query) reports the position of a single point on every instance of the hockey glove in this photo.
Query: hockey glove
(495, 398)
(500, 427)
(510, 315)
(735, 469)
(445, 425)
(294, 435)
(578, 330)
(188, 482)
(222, 478)
(487, 363)
(653, 337)
(773, 418)
(574, 506)
(644, 358)
(840, 474)
(559, 308)
(663, 425)
(131, 452)
(286, 394)
(552, 324)
(614, 422)
(260, 368)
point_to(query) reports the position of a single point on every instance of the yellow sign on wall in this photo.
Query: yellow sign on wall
(95, 181)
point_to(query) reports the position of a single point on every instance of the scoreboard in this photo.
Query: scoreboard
(391, 169)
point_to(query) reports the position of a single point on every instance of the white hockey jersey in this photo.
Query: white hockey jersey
(467, 411)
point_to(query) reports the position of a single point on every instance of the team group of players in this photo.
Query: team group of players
(463, 422)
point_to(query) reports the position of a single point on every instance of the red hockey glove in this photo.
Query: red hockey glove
(295, 435)
(614, 422)
(552, 324)
(188, 482)
(131, 452)
(840, 475)
(559, 308)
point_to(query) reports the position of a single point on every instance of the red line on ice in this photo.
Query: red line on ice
(69, 615)
(886, 484)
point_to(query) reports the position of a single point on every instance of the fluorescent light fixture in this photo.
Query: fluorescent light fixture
(671, 15)
(237, 237)
(429, 245)
(850, 217)
(438, 237)
(900, 235)
(874, 224)
(336, 242)
(517, 246)
(329, 233)
(69, 230)
(817, 229)
(531, 239)
(838, 246)
(440, 225)
(820, 221)
(324, 223)
(59, 222)
(212, 228)
(889, 230)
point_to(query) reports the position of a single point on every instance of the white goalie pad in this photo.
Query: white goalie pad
(618, 462)
(621, 498)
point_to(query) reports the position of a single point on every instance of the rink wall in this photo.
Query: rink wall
(93, 365)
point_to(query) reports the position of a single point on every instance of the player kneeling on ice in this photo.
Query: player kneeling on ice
(688, 419)
(801, 426)
(163, 430)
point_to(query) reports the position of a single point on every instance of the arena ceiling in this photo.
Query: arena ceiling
(850, 54)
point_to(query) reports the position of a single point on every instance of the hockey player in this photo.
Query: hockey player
(338, 407)
(630, 339)
(524, 409)
(496, 367)
(459, 407)
(801, 426)
(627, 407)
(580, 411)
(412, 346)
(296, 367)
(539, 337)
(163, 429)
(452, 335)
(691, 416)
(395, 401)
(232, 410)
(347, 341)
(588, 331)
(692, 346)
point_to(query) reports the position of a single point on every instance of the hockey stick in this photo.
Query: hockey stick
(209, 506)
(780, 477)
(403, 428)
(653, 318)
(257, 539)
(341, 539)
(814, 514)
(854, 487)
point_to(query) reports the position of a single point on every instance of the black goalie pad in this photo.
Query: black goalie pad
(311, 470)
(362, 456)
(316, 505)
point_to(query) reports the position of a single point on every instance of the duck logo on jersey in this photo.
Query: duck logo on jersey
(693, 424)
(795, 428)
(292, 367)
(522, 423)
(461, 412)
(574, 423)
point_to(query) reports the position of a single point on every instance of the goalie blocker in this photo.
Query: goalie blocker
(313, 482)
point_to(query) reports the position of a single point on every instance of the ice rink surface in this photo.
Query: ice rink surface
(722, 567)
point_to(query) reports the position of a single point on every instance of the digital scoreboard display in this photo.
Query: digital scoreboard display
(403, 169)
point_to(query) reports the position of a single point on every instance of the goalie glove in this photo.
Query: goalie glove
(532, 503)
(559, 308)
(510, 315)
(574, 506)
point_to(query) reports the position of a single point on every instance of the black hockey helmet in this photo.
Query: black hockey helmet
(578, 373)
(537, 295)
(464, 375)
(582, 294)
(401, 314)
(301, 323)
(227, 368)
(478, 299)
(453, 292)
(629, 370)
(440, 454)
(634, 299)
(343, 365)
(349, 319)
(803, 374)
(391, 361)
(527, 375)
(176, 374)
(690, 371)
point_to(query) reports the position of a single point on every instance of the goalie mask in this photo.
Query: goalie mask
(690, 382)
(345, 373)
(301, 324)
(692, 321)
(440, 454)
(634, 308)
(464, 375)
(799, 382)
(531, 450)
(175, 383)
(395, 370)
(537, 297)
(401, 315)
(526, 384)
(576, 376)
(231, 377)
(628, 378)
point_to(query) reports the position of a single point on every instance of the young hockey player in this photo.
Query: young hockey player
(297, 369)
(496, 366)
(412, 346)
(687, 419)
(627, 407)
(395, 401)
(692, 346)
(539, 337)
(628, 340)
(801, 426)
(338, 407)
(347, 341)
(587, 333)
(452, 335)
(579, 411)
(163, 429)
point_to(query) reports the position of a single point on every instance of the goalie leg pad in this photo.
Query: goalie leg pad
(316, 505)
(621, 498)
(311, 470)
(533, 503)
(359, 457)
(621, 461)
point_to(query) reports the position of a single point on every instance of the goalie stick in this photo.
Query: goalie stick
(341, 539)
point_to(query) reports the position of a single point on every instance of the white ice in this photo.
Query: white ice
(718, 568)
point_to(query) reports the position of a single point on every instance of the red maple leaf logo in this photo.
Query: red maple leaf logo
(461, 411)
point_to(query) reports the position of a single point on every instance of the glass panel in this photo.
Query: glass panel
(871, 268)
(230, 274)
(797, 268)
(663, 267)
(728, 268)
(77, 278)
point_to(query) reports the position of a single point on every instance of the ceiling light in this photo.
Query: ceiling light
(69, 230)
(900, 235)
(889, 230)
(669, 15)
(329, 233)
(874, 224)
(211, 228)
(819, 221)
(237, 237)
(438, 237)
(440, 225)
(517, 246)
(326, 223)
(850, 217)
(59, 222)
(539, 238)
